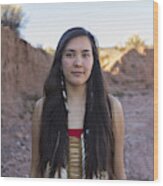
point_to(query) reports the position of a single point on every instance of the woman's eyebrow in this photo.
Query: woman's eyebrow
(69, 50)
(73, 50)
(86, 50)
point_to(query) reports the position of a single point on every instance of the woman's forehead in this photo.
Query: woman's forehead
(81, 42)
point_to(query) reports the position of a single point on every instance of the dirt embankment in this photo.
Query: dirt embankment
(24, 70)
(134, 71)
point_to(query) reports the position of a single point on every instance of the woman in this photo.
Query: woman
(78, 129)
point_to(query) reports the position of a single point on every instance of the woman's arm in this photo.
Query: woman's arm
(118, 132)
(36, 122)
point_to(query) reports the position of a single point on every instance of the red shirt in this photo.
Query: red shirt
(75, 132)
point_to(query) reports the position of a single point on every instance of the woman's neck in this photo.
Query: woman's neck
(76, 106)
(76, 93)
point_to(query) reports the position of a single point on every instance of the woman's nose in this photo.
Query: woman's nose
(78, 61)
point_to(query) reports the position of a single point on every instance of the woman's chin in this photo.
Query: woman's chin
(77, 83)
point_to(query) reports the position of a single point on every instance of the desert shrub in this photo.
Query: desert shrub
(49, 50)
(13, 17)
(135, 42)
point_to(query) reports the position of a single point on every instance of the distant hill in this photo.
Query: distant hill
(133, 70)
(24, 70)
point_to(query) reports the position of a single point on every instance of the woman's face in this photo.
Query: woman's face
(77, 61)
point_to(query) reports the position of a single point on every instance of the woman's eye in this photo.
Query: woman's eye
(85, 55)
(69, 55)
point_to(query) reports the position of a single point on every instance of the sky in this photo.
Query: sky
(112, 23)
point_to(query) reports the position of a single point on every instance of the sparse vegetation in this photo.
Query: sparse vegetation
(109, 56)
(135, 42)
(49, 50)
(119, 48)
(13, 17)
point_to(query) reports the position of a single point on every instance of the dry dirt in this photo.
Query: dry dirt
(24, 71)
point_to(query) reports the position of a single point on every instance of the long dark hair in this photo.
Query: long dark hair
(98, 137)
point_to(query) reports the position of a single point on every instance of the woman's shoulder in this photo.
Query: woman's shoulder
(115, 103)
(116, 109)
(40, 102)
(117, 118)
(39, 106)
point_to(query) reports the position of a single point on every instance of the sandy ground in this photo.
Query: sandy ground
(138, 110)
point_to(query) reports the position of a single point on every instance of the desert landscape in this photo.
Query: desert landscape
(128, 75)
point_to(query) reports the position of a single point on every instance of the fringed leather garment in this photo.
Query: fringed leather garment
(75, 168)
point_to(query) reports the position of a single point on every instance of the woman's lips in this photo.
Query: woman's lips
(77, 73)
